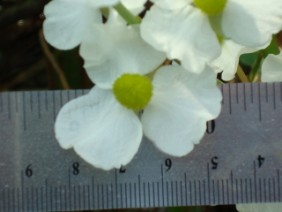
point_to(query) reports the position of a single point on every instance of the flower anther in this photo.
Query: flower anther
(133, 91)
(211, 7)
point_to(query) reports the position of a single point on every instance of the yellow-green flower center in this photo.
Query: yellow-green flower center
(133, 91)
(211, 7)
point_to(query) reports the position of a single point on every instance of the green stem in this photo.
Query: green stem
(127, 15)
(241, 74)
(256, 67)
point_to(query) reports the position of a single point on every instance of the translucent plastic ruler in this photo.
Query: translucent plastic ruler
(239, 159)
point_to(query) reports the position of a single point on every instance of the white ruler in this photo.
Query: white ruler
(238, 161)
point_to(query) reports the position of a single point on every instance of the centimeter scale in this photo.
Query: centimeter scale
(239, 160)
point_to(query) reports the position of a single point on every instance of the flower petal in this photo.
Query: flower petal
(228, 61)
(184, 34)
(176, 117)
(271, 69)
(100, 130)
(135, 6)
(107, 57)
(265, 207)
(103, 3)
(252, 23)
(67, 22)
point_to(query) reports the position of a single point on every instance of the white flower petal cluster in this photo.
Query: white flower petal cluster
(126, 50)
(99, 126)
(68, 22)
(107, 134)
(188, 34)
(228, 60)
(271, 69)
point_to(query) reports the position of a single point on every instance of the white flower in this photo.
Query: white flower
(107, 134)
(188, 31)
(68, 21)
(115, 49)
(265, 207)
(228, 60)
(271, 69)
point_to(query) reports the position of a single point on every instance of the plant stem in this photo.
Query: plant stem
(241, 74)
(256, 67)
(127, 15)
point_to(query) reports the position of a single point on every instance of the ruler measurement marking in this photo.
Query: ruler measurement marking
(237, 193)
(181, 193)
(195, 192)
(162, 181)
(264, 188)
(51, 198)
(139, 189)
(237, 93)
(251, 189)
(54, 106)
(103, 197)
(121, 194)
(116, 189)
(204, 192)
(1, 103)
(38, 104)
(269, 190)
(24, 111)
(135, 194)
(232, 186)
(244, 96)
(130, 194)
(112, 195)
(22, 191)
(3, 199)
(241, 192)
(200, 191)
(280, 91)
(252, 93)
(266, 92)
(88, 197)
(167, 194)
(227, 190)
(176, 191)
(259, 101)
(274, 190)
(222, 190)
(158, 190)
(9, 106)
(229, 99)
(213, 191)
(255, 180)
(278, 177)
(14, 200)
(246, 189)
(186, 191)
(274, 96)
(171, 192)
(31, 100)
(126, 195)
(46, 101)
(209, 189)
(46, 195)
(61, 99)
(190, 192)
(149, 195)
